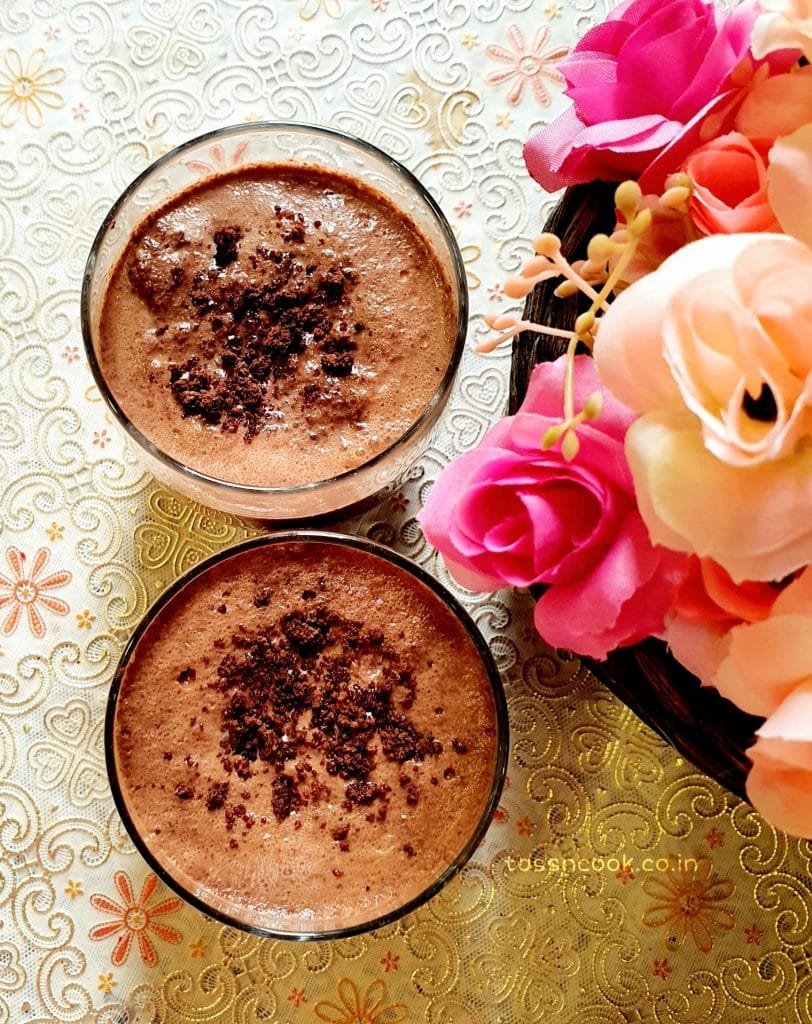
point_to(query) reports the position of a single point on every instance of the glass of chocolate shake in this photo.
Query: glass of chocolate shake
(306, 736)
(274, 314)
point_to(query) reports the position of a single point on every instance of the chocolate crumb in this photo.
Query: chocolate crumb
(337, 364)
(218, 793)
(285, 798)
(184, 792)
(225, 242)
(449, 773)
(363, 793)
(167, 755)
(188, 675)
(290, 689)
(338, 873)
(409, 850)
(222, 609)
(459, 746)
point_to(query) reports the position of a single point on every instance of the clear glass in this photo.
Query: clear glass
(249, 145)
(218, 906)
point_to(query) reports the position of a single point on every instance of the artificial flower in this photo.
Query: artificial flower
(711, 349)
(767, 660)
(780, 780)
(777, 105)
(642, 84)
(729, 177)
(707, 606)
(790, 183)
(510, 513)
(780, 109)
(783, 25)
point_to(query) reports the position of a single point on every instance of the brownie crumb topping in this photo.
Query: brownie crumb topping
(314, 686)
(218, 794)
(225, 242)
(285, 798)
(248, 330)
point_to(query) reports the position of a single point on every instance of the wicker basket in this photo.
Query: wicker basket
(703, 726)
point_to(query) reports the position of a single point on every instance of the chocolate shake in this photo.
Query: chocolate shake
(306, 737)
(276, 326)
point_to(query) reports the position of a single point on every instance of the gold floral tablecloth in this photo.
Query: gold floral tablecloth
(616, 884)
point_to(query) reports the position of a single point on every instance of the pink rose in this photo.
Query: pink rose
(642, 82)
(509, 513)
(730, 186)
(711, 350)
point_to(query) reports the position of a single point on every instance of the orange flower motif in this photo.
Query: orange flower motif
(135, 919)
(220, 160)
(527, 65)
(25, 590)
(355, 1008)
(688, 902)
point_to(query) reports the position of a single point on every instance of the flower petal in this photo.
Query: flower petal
(125, 887)
(35, 620)
(41, 559)
(166, 932)
(109, 906)
(147, 950)
(166, 907)
(790, 183)
(16, 561)
(744, 517)
(103, 931)
(147, 889)
(121, 950)
(11, 620)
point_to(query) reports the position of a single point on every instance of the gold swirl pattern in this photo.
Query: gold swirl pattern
(616, 885)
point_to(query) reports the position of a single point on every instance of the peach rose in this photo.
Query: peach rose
(707, 606)
(766, 660)
(780, 108)
(783, 25)
(712, 351)
(780, 780)
(769, 667)
(730, 186)
(776, 106)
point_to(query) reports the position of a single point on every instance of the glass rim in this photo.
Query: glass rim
(459, 282)
(502, 740)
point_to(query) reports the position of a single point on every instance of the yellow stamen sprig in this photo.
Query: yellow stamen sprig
(510, 325)
(547, 263)
(566, 431)
(678, 191)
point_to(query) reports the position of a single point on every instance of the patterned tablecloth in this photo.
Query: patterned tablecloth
(616, 884)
